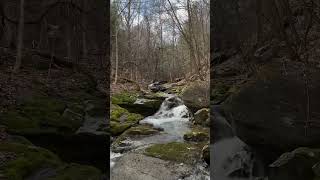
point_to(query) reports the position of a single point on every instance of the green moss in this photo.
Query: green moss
(196, 136)
(76, 172)
(141, 130)
(124, 98)
(20, 140)
(50, 104)
(28, 160)
(117, 112)
(117, 128)
(174, 151)
(39, 115)
(219, 92)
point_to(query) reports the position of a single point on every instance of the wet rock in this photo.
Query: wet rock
(146, 105)
(296, 165)
(157, 86)
(201, 117)
(141, 130)
(175, 151)
(206, 154)
(197, 135)
(144, 167)
(121, 120)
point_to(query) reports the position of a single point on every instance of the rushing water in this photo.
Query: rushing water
(173, 118)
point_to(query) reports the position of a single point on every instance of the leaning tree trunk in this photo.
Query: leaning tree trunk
(20, 38)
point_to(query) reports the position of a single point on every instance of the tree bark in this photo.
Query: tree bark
(20, 38)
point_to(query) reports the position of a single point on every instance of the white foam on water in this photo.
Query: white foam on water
(113, 157)
(173, 120)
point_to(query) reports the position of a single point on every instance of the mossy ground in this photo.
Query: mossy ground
(76, 171)
(29, 159)
(176, 151)
(124, 98)
(39, 115)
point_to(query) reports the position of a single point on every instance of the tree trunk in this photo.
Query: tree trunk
(117, 58)
(20, 38)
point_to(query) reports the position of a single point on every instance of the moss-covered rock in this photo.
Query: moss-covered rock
(19, 140)
(175, 151)
(96, 108)
(141, 130)
(121, 120)
(28, 160)
(196, 95)
(219, 93)
(295, 165)
(124, 98)
(201, 117)
(117, 128)
(39, 115)
(197, 135)
(76, 171)
(146, 104)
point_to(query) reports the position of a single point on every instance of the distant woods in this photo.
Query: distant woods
(160, 39)
(63, 31)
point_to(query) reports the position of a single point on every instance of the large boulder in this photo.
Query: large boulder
(298, 164)
(21, 161)
(201, 117)
(146, 104)
(121, 120)
(58, 126)
(274, 103)
(196, 95)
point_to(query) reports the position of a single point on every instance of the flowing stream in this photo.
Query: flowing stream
(173, 118)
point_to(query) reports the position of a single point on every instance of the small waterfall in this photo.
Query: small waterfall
(113, 156)
(173, 117)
